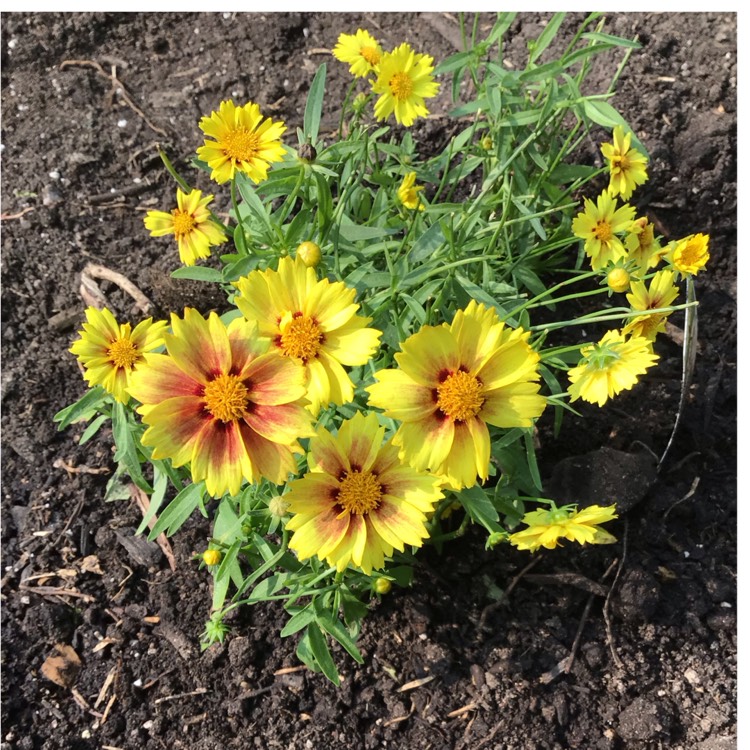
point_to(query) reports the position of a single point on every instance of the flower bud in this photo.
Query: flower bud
(277, 506)
(212, 556)
(307, 152)
(309, 253)
(382, 586)
(618, 280)
(487, 143)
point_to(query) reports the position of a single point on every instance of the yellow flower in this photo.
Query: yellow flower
(212, 556)
(221, 401)
(404, 82)
(451, 383)
(191, 225)
(361, 50)
(618, 279)
(110, 351)
(243, 142)
(661, 293)
(309, 252)
(689, 255)
(599, 225)
(311, 322)
(408, 192)
(627, 166)
(609, 367)
(547, 527)
(358, 502)
(643, 249)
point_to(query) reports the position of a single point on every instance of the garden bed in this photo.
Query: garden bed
(655, 667)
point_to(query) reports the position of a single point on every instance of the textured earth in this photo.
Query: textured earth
(85, 100)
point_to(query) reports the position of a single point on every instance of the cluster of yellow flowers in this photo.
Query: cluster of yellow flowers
(625, 248)
(402, 77)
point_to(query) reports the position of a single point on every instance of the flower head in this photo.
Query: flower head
(408, 192)
(609, 367)
(598, 224)
(358, 502)
(361, 49)
(689, 255)
(109, 351)
(643, 249)
(547, 527)
(243, 142)
(661, 292)
(627, 166)
(191, 225)
(309, 252)
(618, 279)
(451, 383)
(219, 400)
(404, 82)
(313, 323)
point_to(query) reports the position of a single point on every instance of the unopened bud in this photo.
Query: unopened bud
(618, 280)
(309, 253)
(382, 586)
(212, 556)
(277, 506)
(487, 143)
(307, 152)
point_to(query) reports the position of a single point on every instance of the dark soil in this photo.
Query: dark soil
(655, 668)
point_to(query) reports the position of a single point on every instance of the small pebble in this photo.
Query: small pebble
(122, 123)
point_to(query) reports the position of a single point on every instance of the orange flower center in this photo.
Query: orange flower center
(226, 397)
(302, 338)
(359, 492)
(602, 231)
(123, 353)
(241, 144)
(459, 396)
(371, 55)
(401, 86)
(183, 222)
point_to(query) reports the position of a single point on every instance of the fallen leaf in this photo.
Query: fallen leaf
(62, 667)
(90, 564)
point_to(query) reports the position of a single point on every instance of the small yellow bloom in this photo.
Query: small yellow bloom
(689, 255)
(361, 49)
(609, 367)
(212, 556)
(627, 166)
(191, 225)
(547, 527)
(110, 351)
(599, 224)
(408, 192)
(643, 249)
(309, 253)
(660, 293)
(618, 279)
(243, 142)
(404, 82)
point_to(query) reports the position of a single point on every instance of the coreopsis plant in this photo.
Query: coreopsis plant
(375, 380)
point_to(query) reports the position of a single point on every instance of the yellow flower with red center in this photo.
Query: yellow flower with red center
(408, 192)
(547, 527)
(611, 366)
(599, 224)
(643, 249)
(661, 292)
(404, 82)
(109, 351)
(361, 49)
(242, 142)
(451, 383)
(627, 166)
(222, 402)
(190, 223)
(358, 502)
(311, 322)
(689, 255)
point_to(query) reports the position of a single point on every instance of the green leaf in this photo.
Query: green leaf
(546, 37)
(198, 273)
(179, 510)
(480, 508)
(253, 202)
(314, 105)
(325, 203)
(83, 409)
(240, 268)
(268, 587)
(427, 244)
(598, 36)
(239, 239)
(604, 114)
(355, 233)
(298, 621)
(321, 653)
(93, 428)
(531, 458)
(127, 453)
(336, 630)
(157, 497)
